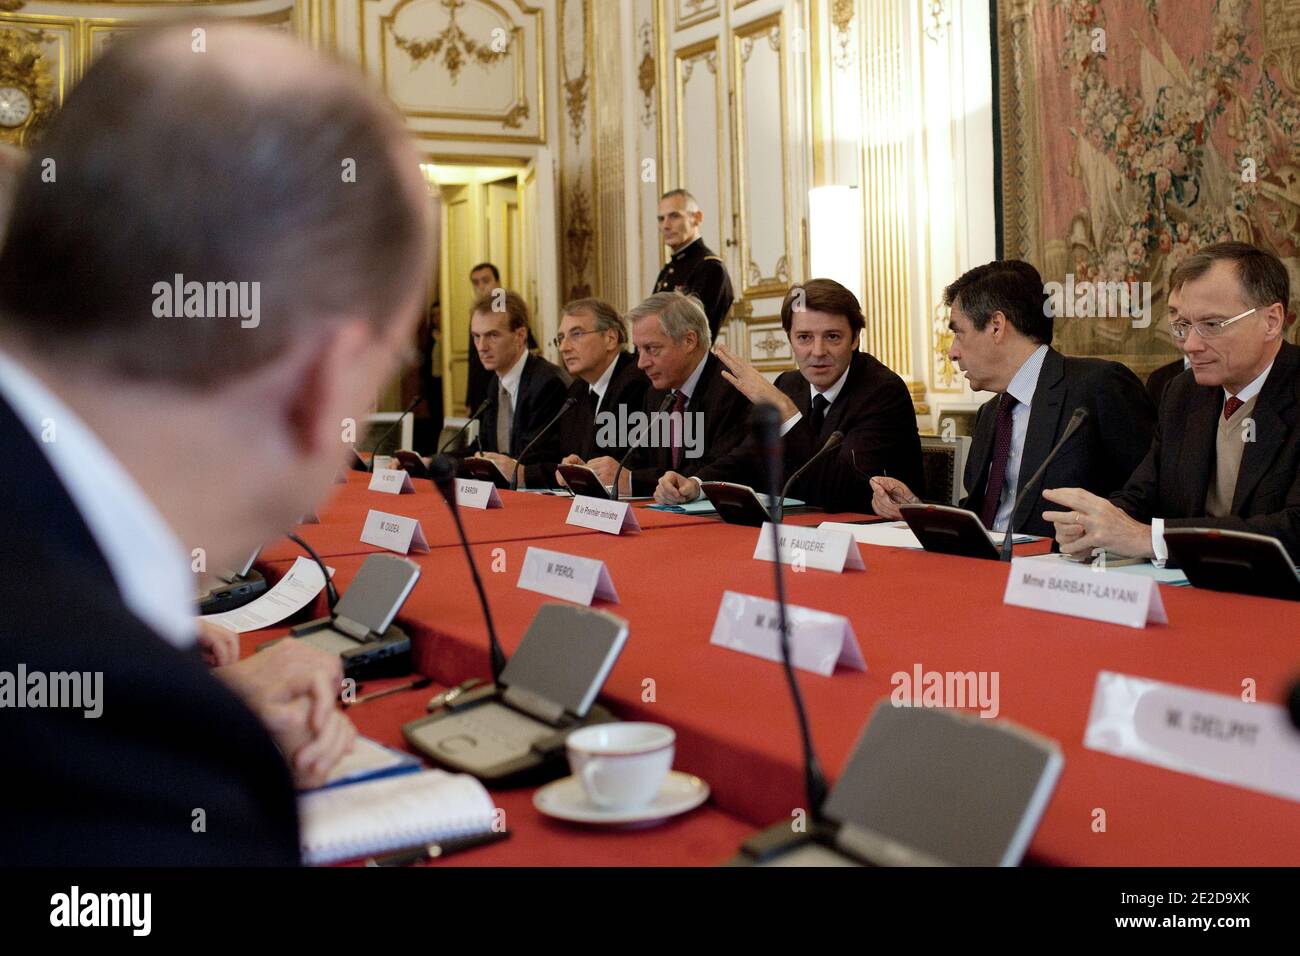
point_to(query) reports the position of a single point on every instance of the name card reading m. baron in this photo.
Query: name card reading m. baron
(1050, 584)
(566, 576)
(392, 481)
(393, 532)
(612, 517)
(472, 493)
(811, 548)
(818, 640)
(1214, 736)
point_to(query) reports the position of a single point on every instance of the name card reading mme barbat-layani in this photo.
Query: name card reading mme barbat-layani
(1081, 590)
(566, 576)
(1214, 736)
(393, 532)
(811, 548)
(818, 640)
(392, 481)
(612, 517)
(472, 493)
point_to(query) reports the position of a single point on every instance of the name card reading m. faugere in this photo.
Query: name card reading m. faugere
(566, 576)
(811, 548)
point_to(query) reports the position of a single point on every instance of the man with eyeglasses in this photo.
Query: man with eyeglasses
(591, 340)
(1226, 452)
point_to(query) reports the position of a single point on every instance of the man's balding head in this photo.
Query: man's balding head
(255, 161)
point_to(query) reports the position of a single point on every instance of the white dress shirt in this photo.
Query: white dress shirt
(601, 385)
(830, 394)
(1158, 546)
(1023, 385)
(148, 563)
(688, 387)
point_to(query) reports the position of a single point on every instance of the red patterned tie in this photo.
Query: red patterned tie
(1230, 406)
(679, 409)
(998, 465)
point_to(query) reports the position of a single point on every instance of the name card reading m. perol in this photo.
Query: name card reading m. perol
(392, 481)
(472, 493)
(612, 517)
(1084, 591)
(393, 532)
(811, 548)
(1214, 736)
(818, 640)
(566, 576)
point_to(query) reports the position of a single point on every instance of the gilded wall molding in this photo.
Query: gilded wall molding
(30, 80)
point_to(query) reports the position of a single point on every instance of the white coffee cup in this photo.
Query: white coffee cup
(621, 765)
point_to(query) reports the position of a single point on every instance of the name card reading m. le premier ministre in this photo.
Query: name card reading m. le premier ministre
(612, 517)
(811, 548)
(472, 493)
(818, 640)
(1080, 590)
(393, 532)
(566, 576)
(392, 481)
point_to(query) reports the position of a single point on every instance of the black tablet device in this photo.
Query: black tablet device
(483, 469)
(736, 504)
(583, 481)
(411, 463)
(950, 530)
(1238, 561)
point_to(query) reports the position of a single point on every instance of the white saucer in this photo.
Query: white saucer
(566, 800)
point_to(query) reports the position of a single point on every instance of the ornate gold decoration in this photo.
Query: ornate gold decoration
(455, 45)
(841, 21)
(691, 12)
(515, 118)
(769, 345)
(575, 98)
(11, 6)
(577, 240)
(646, 74)
(937, 20)
(945, 372)
(22, 64)
(1281, 36)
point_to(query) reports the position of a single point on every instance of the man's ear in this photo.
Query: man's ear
(998, 325)
(1275, 320)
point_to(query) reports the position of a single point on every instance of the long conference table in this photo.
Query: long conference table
(732, 712)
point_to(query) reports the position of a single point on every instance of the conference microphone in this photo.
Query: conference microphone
(483, 407)
(442, 472)
(1293, 704)
(778, 506)
(666, 404)
(766, 422)
(1076, 420)
(384, 436)
(514, 475)
(331, 595)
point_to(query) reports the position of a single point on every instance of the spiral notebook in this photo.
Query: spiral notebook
(391, 813)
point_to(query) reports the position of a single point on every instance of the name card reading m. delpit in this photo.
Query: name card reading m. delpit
(818, 640)
(392, 481)
(612, 517)
(811, 548)
(566, 576)
(472, 493)
(393, 532)
(1049, 584)
(1214, 736)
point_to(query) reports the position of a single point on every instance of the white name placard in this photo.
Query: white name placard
(818, 640)
(392, 481)
(566, 576)
(612, 517)
(1215, 736)
(472, 493)
(393, 532)
(811, 548)
(1046, 584)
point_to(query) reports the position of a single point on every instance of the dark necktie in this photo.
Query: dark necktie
(998, 464)
(679, 409)
(593, 401)
(1230, 406)
(817, 417)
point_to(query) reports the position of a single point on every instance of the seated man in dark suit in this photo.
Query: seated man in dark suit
(1002, 335)
(835, 388)
(1158, 381)
(529, 390)
(606, 383)
(707, 417)
(1227, 450)
(139, 442)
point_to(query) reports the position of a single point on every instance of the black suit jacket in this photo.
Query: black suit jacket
(873, 410)
(697, 270)
(1173, 479)
(579, 428)
(1159, 380)
(1099, 458)
(122, 788)
(541, 393)
(725, 423)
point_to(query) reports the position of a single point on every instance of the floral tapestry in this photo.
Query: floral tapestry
(1131, 133)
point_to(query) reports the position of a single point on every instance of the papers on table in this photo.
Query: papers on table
(896, 534)
(290, 595)
(1174, 577)
(703, 506)
(369, 760)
